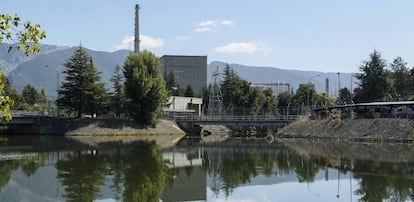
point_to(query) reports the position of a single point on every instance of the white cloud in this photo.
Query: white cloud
(127, 43)
(208, 25)
(202, 29)
(150, 42)
(227, 22)
(244, 47)
(147, 42)
(183, 38)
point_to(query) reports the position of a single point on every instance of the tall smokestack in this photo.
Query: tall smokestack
(137, 28)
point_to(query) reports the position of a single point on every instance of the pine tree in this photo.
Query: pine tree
(144, 86)
(189, 92)
(400, 78)
(82, 91)
(118, 99)
(373, 79)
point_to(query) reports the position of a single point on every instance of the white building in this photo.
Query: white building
(183, 105)
(277, 88)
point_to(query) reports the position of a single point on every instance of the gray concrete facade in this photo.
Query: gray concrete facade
(188, 70)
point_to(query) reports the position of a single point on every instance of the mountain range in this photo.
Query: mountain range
(44, 70)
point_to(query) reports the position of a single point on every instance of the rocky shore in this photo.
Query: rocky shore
(377, 130)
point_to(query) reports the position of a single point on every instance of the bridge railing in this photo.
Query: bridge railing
(233, 118)
(24, 113)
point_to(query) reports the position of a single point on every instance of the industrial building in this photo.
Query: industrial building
(188, 70)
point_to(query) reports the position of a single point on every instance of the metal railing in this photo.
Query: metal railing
(233, 118)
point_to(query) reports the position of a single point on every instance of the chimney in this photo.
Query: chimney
(136, 47)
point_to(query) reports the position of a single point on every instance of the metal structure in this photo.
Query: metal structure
(215, 104)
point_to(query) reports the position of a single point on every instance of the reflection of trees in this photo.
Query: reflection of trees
(6, 168)
(117, 165)
(82, 174)
(138, 173)
(385, 172)
(29, 166)
(307, 168)
(236, 167)
(145, 174)
(394, 183)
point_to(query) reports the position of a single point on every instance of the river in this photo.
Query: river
(47, 168)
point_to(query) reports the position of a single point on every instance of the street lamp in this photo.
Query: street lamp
(309, 82)
(57, 85)
(339, 86)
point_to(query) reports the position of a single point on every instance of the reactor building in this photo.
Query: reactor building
(188, 70)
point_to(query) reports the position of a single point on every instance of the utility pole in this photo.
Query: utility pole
(339, 87)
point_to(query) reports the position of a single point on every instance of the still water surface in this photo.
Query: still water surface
(58, 169)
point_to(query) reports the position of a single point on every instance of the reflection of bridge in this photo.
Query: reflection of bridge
(5, 156)
(264, 120)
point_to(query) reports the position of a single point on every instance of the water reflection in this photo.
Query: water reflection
(47, 169)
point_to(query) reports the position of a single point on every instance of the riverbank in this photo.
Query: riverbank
(93, 132)
(377, 130)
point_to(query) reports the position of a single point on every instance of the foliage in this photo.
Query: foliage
(373, 79)
(30, 95)
(269, 103)
(189, 92)
(173, 88)
(411, 82)
(304, 95)
(235, 89)
(205, 95)
(12, 93)
(134, 177)
(82, 91)
(5, 101)
(323, 100)
(144, 86)
(27, 35)
(344, 96)
(118, 98)
(400, 78)
(242, 99)
(82, 175)
(148, 183)
(284, 99)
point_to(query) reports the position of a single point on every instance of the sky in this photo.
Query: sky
(316, 35)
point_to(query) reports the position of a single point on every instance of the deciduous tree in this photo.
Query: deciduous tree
(144, 86)
(27, 37)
